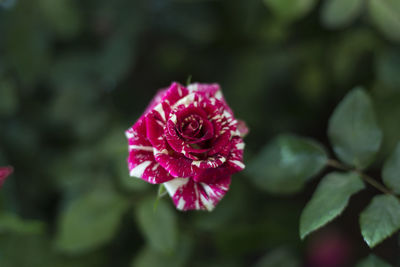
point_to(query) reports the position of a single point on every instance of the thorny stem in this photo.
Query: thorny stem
(368, 179)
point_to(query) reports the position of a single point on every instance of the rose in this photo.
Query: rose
(4, 173)
(189, 141)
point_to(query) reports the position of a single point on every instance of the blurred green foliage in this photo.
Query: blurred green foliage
(372, 261)
(75, 74)
(354, 131)
(285, 165)
(288, 162)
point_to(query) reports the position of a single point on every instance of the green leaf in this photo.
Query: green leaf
(387, 68)
(385, 14)
(26, 46)
(150, 257)
(289, 10)
(286, 163)
(90, 220)
(8, 97)
(391, 171)
(339, 13)
(62, 16)
(35, 249)
(329, 200)
(373, 261)
(380, 219)
(159, 225)
(280, 257)
(7, 4)
(353, 130)
(10, 223)
(348, 53)
(38, 251)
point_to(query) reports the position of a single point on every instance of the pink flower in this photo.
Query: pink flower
(189, 141)
(4, 173)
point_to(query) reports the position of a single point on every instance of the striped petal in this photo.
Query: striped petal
(210, 91)
(233, 164)
(156, 100)
(141, 161)
(235, 160)
(176, 164)
(190, 195)
(242, 128)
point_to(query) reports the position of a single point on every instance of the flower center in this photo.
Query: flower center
(191, 126)
(189, 131)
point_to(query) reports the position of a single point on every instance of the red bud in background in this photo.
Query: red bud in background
(329, 249)
(4, 173)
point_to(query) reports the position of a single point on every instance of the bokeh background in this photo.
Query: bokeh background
(75, 74)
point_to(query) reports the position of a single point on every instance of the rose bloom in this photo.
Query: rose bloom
(4, 173)
(188, 140)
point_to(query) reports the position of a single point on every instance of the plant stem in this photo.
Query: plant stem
(375, 183)
(368, 179)
(336, 164)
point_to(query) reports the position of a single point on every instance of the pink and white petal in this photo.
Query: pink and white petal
(174, 139)
(161, 111)
(219, 113)
(141, 162)
(175, 164)
(209, 90)
(186, 101)
(156, 100)
(233, 164)
(174, 93)
(155, 130)
(210, 162)
(220, 144)
(143, 165)
(184, 164)
(226, 130)
(213, 175)
(242, 128)
(175, 136)
(168, 95)
(190, 195)
(179, 145)
(229, 124)
(235, 160)
(136, 136)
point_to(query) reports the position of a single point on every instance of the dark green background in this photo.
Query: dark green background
(75, 74)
